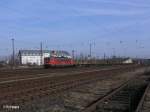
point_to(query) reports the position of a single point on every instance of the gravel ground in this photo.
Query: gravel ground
(76, 100)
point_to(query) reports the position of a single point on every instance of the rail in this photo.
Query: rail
(140, 106)
(92, 107)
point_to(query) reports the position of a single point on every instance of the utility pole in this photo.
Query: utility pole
(73, 54)
(114, 52)
(90, 50)
(104, 56)
(41, 50)
(13, 55)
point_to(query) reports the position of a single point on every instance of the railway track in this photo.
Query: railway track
(123, 99)
(79, 98)
(42, 75)
(24, 91)
(144, 105)
(30, 73)
(25, 75)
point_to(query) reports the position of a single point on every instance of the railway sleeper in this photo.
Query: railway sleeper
(126, 100)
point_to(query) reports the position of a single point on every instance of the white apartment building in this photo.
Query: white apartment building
(32, 57)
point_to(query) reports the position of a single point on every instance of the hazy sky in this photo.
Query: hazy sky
(120, 27)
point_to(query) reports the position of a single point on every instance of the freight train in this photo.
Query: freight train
(58, 59)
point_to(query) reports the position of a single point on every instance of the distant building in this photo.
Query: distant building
(33, 57)
(128, 61)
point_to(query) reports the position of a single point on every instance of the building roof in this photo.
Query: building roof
(33, 51)
(38, 52)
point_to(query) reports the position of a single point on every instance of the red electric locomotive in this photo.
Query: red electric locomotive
(58, 59)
